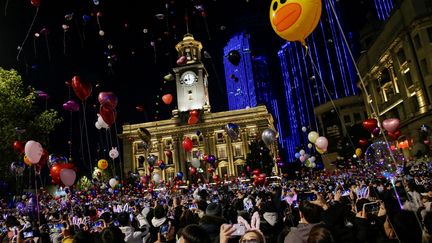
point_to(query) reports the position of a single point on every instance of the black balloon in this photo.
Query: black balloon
(234, 57)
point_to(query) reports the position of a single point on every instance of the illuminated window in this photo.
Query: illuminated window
(238, 151)
(221, 153)
(220, 137)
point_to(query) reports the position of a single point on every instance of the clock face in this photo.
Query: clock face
(189, 78)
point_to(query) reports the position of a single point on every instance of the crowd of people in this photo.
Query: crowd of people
(344, 206)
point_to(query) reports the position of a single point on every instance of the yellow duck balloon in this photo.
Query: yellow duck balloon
(294, 20)
(102, 164)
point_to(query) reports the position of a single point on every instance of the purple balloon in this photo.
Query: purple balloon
(71, 106)
(280, 164)
(376, 131)
(211, 159)
(42, 94)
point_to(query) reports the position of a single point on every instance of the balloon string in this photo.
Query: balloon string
(331, 100)
(37, 196)
(64, 43)
(363, 85)
(109, 142)
(86, 133)
(82, 144)
(120, 156)
(34, 47)
(6, 6)
(27, 35)
(48, 48)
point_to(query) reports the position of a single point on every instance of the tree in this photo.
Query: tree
(259, 157)
(20, 118)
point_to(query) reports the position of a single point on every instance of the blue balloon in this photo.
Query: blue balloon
(297, 155)
(86, 18)
(180, 175)
(198, 133)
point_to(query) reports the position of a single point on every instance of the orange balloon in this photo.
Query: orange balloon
(294, 20)
(167, 99)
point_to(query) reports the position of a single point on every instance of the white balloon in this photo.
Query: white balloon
(310, 145)
(312, 159)
(313, 165)
(113, 153)
(102, 123)
(98, 126)
(113, 182)
(312, 136)
(156, 178)
(304, 129)
(196, 162)
(302, 152)
(34, 151)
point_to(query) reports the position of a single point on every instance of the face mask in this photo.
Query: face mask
(380, 189)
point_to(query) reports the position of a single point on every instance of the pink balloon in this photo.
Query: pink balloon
(321, 143)
(67, 176)
(34, 151)
(302, 158)
(391, 124)
(182, 60)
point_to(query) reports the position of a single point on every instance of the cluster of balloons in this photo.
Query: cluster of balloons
(391, 125)
(260, 178)
(193, 117)
(305, 158)
(233, 130)
(63, 174)
(321, 143)
(269, 136)
(107, 112)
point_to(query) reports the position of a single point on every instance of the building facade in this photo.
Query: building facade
(397, 68)
(208, 137)
(207, 132)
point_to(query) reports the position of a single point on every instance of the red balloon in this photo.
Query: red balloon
(193, 120)
(18, 146)
(370, 124)
(205, 157)
(150, 190)
(108, 114)
(55, 173)
(151, 169)
(168, 153)
(160, 162)
(215, 177)
(167, 99)
(363, 142)
(108, 99)
(82, 89)
(139, 108)
(167, 184)
(256, 172)
(192, 170)
(394, 135)
(187, 144)
(194, 113)
(35, 3)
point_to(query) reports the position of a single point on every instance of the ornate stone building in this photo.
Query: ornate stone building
(208, 135)
(397, 68)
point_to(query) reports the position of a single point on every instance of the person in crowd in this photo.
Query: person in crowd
(310, 216)
(130, 234)
(212, 220)
(319, 234)
(193, 234)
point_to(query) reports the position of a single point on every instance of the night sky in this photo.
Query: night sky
(136, 68)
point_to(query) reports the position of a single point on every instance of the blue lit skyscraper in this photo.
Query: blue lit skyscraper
(306, 86)
(249, 83)
(383, 8)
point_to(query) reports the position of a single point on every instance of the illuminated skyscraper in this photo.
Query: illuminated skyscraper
(248, 82)
(310, 79)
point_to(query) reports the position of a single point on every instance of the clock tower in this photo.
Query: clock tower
(191, 77)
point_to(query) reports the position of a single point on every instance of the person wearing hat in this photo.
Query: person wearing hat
(212, 220)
